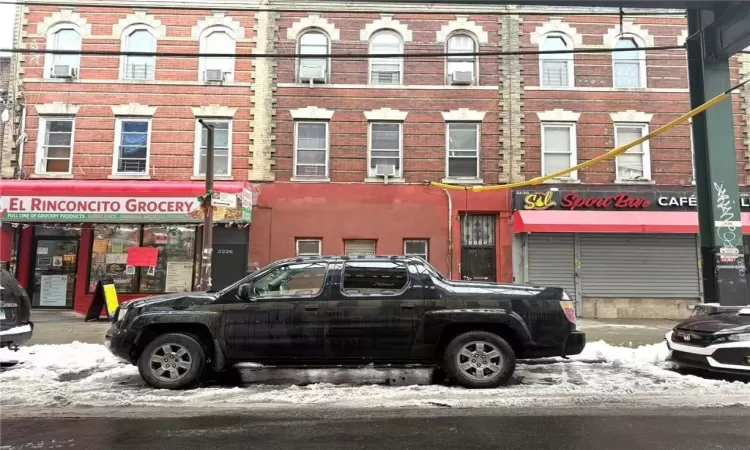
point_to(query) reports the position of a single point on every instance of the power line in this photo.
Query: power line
(30, 51)
(314, 8)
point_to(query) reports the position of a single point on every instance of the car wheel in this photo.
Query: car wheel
(173, 361)
(479, 360)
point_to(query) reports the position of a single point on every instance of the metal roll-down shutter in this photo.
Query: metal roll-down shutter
(551, 261)
(357, 247)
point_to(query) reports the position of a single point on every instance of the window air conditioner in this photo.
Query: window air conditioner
(385, 170)
(213, 75)
(462, 78)
(315, 73)
(60, 71)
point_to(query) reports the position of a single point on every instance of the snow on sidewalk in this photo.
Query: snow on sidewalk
(80, 374)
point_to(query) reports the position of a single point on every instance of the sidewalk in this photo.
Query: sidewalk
(60, 327)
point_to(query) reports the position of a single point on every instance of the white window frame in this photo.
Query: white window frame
(642, 71)
(475, 59)
(197, 149)
(399, 60)
(692, 149)
(370, 170)
(202, 63)
(426, 243)
(41, 138)
(49, 60)
(126, 33)
(327, 149)
(568, 57)
(118, 137)
(299, 51)
(572, 126)
(317, 241)
(447, 150)
(644, 146)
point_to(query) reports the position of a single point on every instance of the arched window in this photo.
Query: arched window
(313, 69)
(137, 67)
(628, 65)
(386, 70)
(65, 66)
(556, 69)
(218, 40)
(462, 69)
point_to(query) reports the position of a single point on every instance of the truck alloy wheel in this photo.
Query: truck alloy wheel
(173, 361)
(479, 359)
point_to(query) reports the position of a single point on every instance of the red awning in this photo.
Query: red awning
(610, 222)
(107, 188)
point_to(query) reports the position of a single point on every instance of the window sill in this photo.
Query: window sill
(463, 181)
(382, 180)
(562, 181)
(58, 176)
(133, 176)
(635, 182)
(216, 177)
(309, 180)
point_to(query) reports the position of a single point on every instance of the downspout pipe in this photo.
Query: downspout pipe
(450, 233)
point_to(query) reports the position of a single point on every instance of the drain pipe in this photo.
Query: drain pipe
(450, 233)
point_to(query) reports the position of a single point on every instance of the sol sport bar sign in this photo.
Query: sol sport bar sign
(612, 201)
(103, 209)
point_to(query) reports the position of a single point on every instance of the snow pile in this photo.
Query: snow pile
(88, 375)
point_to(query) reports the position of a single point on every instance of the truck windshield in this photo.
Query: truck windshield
(431, 270)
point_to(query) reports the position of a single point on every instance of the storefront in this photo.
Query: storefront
(71, 234)
(622, 254)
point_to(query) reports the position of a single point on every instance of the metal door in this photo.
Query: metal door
(478, 249)
(229, 257)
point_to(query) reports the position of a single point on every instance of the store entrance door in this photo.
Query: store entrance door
(229, 262)
(478, 251)
(53, 276)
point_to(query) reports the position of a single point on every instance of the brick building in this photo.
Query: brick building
(333, 153)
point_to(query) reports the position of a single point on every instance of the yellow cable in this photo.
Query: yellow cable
(610, 154)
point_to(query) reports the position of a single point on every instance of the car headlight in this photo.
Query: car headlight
(739, 337)
(121, 315)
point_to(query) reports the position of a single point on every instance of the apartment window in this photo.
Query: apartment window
(385, 149)
(139, 67)
(556, 68)
(308, 247)
(634, 164)
(386, 70)
(416, 247)
(558, 148)
(360, 247)
(311, 154)
(313, 70)
(222, 147)
(65, 66)
(56, 149)
(463, 150)
(131, 146)
(629, 66)
(462, 69)
(218, 40)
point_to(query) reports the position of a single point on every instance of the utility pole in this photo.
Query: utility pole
(208, 210)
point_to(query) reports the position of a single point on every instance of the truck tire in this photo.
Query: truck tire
(173, 361)
(479, 360)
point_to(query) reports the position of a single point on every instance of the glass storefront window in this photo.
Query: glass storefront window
(110, 253)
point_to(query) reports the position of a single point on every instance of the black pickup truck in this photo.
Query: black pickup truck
(341, 310)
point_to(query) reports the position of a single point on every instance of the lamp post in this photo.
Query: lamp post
(208, 209)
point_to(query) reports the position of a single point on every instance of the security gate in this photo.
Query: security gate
(478, 249)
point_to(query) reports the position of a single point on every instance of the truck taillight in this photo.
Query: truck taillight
(569, 310)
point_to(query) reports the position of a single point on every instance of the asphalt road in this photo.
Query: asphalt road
(432, 429)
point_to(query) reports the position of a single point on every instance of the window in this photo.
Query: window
(313, 69)
(311, 155)
(692, 150)
(385, 148)
(131, 146)
(386, 70)
(56, 145)
(374, 277)
(222, 147)
(217, 40)
(463, 150)
(416, 247)
(462, 69)
(558, 148)
(359, 247)
(628, 65)
(66, 39)
(174, 271)
(634, 164)
(137, 67)
(556, 68)
(302, 279)
(308, 247)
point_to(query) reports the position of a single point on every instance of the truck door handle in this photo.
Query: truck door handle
(407, 305)
(311, 307)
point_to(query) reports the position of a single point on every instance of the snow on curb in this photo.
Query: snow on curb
(80, 374)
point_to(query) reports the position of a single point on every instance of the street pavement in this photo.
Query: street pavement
(582, 429)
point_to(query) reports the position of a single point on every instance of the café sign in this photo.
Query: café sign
(612, 200)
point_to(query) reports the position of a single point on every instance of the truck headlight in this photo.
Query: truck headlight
(742, 337)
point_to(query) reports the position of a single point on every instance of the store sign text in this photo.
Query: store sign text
(619, 201)
(131, 205)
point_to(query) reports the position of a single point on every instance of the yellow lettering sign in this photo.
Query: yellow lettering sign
(538, 201)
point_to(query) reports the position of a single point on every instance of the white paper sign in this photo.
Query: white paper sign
(54, 290)
(179, 277)
(42, 250)
(224, 199)
(117, 258)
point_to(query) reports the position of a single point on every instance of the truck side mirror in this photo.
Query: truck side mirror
(244, 292)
